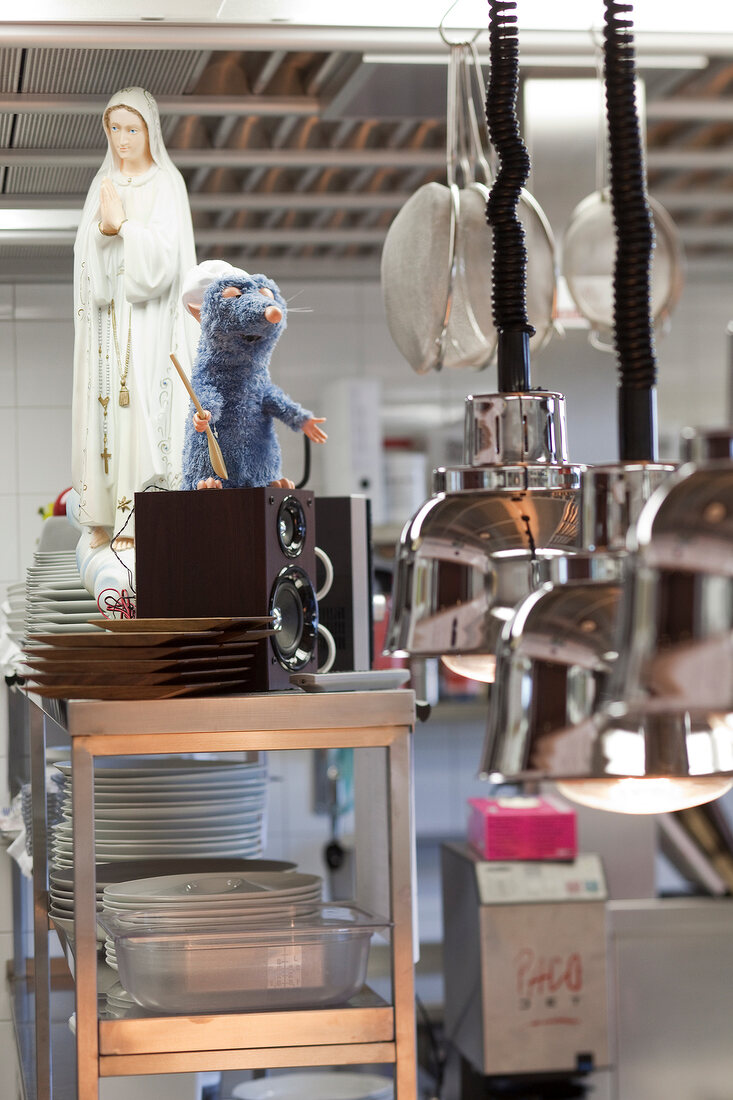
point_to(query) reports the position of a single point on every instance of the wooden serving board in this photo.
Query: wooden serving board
(130, 679)
(180, 626)
(109, 668)
(132, 656)
(92, 640)
(158, 691)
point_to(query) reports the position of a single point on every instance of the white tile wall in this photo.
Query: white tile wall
(45, 356)
(30, 520)
(44, 449)
(10, 561)
(7, 359)
(44, 302)
(9, 452)
(7, 302)
(8, 1066)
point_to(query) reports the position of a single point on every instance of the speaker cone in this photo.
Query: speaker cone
(291, 526)
(293, 604)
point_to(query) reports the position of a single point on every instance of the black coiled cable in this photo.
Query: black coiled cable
(509, 269)
(633, 326)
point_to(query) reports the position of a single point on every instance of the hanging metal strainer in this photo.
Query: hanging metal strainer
(588, 254)
(436, 261)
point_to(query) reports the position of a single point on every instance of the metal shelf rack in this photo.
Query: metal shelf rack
(366, 1030)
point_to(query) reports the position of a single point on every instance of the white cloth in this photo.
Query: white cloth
(141, 271)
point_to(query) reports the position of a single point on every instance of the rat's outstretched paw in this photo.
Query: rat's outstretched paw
(209, 483)
(311, 429)
(201, 423)
(283, 483)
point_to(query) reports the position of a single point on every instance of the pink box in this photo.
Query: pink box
(522, 828)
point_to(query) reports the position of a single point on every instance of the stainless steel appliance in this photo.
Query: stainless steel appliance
(524, 962)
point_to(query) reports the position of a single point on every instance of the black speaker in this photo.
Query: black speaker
(344, 534)
(229, 552)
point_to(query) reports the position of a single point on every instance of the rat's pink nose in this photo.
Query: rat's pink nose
(273, 314)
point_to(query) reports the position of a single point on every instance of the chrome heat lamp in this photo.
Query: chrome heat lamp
(495, 525)
(621, 691)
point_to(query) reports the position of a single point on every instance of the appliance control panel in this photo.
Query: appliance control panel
(519, 883)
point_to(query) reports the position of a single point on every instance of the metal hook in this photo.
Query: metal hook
(444, 36)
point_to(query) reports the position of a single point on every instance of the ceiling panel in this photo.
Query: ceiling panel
(305, 153)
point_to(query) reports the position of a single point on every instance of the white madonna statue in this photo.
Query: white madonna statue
(133, 247)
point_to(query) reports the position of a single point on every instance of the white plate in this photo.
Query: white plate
(64, 628)
(259, 901)
(150, 795)
(65, 860)
(111, 851)
(43, 594)
(161, 818)
(130, 829)
(62, 605)
(53, 572)
(52, 614)
(320, 1085)
(161, 767)
(224, 792)
(224, 905)
(57, 586)
(218, 886)
(206, 915)
(204, 771)
(105, 840)
(176, 811)
(248, 796)
(226, 821)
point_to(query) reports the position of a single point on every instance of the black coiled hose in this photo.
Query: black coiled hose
(633, 326)
(509, 268)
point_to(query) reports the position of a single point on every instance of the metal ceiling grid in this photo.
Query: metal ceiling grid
(102, 72)
(48, 180)
(305, 152)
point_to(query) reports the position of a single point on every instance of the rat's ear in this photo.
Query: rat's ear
(194, 310)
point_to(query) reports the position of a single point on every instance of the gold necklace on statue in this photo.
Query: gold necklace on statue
(124, 392)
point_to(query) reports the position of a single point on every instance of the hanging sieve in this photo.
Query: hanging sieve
(588, 253)
(436, 262)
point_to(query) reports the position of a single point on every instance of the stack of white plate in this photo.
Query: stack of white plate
(170, 807)
(13, 612)
(56, 601)
(192, 903)
(120, 1004)
(61, 880)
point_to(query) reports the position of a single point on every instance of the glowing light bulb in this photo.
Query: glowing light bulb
(474, 666)
(648, 795)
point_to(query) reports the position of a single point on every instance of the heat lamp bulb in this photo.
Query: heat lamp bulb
(474, 666)
(649, 795)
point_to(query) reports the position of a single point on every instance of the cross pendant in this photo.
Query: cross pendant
(106, 456)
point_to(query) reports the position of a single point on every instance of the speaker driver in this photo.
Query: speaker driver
(293, 604)
(291, 526)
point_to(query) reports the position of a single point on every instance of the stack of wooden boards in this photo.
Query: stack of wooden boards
(146, 658)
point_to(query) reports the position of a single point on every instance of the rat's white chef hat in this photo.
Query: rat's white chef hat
(199, 278)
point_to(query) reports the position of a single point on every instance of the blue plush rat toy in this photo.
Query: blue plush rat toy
(242, 317)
